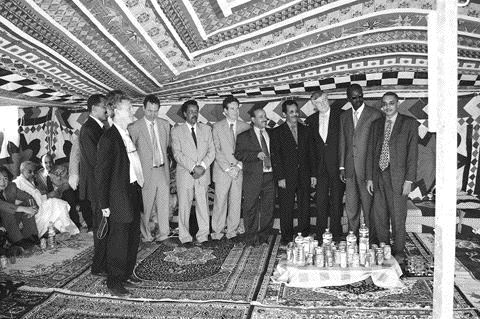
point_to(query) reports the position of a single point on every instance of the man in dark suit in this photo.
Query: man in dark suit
(391, 169)
(90, 133)
(119, 177)
(355, 126)
(291, 146)
(253, 149)
(324, 125)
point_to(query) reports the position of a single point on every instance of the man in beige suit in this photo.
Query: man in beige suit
(151, 136)
(227, 171)
(193, 149)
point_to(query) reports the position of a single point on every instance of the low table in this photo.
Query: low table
(385, 276)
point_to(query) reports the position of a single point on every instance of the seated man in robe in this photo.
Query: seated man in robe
(52, 180)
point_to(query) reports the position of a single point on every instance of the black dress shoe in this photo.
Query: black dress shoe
(188, 244)
(119, 291)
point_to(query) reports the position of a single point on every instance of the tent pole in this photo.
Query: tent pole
(446, 157)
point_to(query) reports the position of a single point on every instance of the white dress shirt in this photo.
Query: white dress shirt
(323, 120)
(195, 129)
(155, 131)
(97, 120)
(267, 140)
(136, 173)
(359, 113)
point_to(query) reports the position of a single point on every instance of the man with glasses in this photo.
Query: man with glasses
(352, 154)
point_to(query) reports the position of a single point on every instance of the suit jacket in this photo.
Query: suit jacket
(58, 176)
(352, 148)
(187, 155)
(225, 147)
(139, 132)
(291, 161)
(403, 151)
(325, 153)
(112, 176)
(247, 150)
(90, 133)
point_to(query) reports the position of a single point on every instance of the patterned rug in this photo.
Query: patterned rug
(467, 252)
(52, 268)
(20, 302)
(416, 250)
(66, 306)
(218, 270)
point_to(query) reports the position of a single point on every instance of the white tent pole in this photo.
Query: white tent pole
(445, 215)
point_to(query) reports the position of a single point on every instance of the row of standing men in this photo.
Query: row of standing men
(372, 154)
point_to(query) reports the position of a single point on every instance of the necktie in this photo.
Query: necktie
(267, 163)
(49, 184)
(295, 133)
(355, 119)
(232, 130)
(385, 155)
(194, 137)
(157, 155)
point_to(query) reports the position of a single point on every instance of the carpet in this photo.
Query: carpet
(66, 306)
(418, 253)
(467, 252)
(52, 268)
(219, 270)
(20, 302)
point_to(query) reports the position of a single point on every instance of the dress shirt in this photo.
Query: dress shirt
(295, 133)
(393, 119)
(195, 129)
(155, 130)
(136, 174)
(98, 121)
(323, 120)
(267, 140)
(229, 123)
(359, 113)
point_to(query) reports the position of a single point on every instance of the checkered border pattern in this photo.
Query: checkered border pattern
(12, 82)
(473, 170)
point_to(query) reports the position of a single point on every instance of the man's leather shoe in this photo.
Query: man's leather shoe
(188, 244)
(119, 291)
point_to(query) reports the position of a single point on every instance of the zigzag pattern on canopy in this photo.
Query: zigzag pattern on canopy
(196, 48)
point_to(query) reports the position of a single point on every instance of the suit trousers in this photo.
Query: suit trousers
(329, 197)
(156, 198)
(390, 207)
(99, 261)
(185, 199)
(357, 198)
(71, 197)
(122, 243)
(11, 223)
(227, 206)
(286, 198)
(258, 209)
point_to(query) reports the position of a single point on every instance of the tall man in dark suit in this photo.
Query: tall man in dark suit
(329, 192)
(118, 177)
(90, 133)
(291, 146)
(253, 149)
(355, 126)
(391, 169)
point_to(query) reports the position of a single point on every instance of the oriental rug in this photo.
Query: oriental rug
(52, 268)
(66, 306)
(468, 253)
(218, 270)
(20, 302)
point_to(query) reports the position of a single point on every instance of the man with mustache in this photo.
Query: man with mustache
(253, 149)
(194, 151)
(329, 192)
(391, 168)
(291, 146)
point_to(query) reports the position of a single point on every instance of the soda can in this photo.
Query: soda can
(319, 260)
(318, 251)
(3, 262)
(309, 259)
(379, 256)
(330, 260)
(337, 258)
(43, 243)
(290, 255)
(387, 252)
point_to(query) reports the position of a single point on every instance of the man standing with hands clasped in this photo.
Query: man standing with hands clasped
(194, 151)
(391, 169)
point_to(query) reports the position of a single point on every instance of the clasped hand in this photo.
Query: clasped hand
(198, 171)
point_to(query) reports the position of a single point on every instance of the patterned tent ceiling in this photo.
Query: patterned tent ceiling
(58, 52)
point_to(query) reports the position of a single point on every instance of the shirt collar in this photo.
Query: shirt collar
(360, 109)
(190, 126)
(291, 125)
(393, 118)
(97, 120)
(148, 121)
(121, 130)
(326, 114)
(229, 122)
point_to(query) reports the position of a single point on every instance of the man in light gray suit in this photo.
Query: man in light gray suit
(193, 149)
(354, 134)
(227, 171)
(151, 136)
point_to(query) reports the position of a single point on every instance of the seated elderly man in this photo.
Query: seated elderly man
(52, 180)
(50, 210)
(12, 214)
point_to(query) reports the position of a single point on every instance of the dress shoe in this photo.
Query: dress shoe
(236, 239)
(199, 244)
(169, 242)
(119, 291)
(188, 244)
